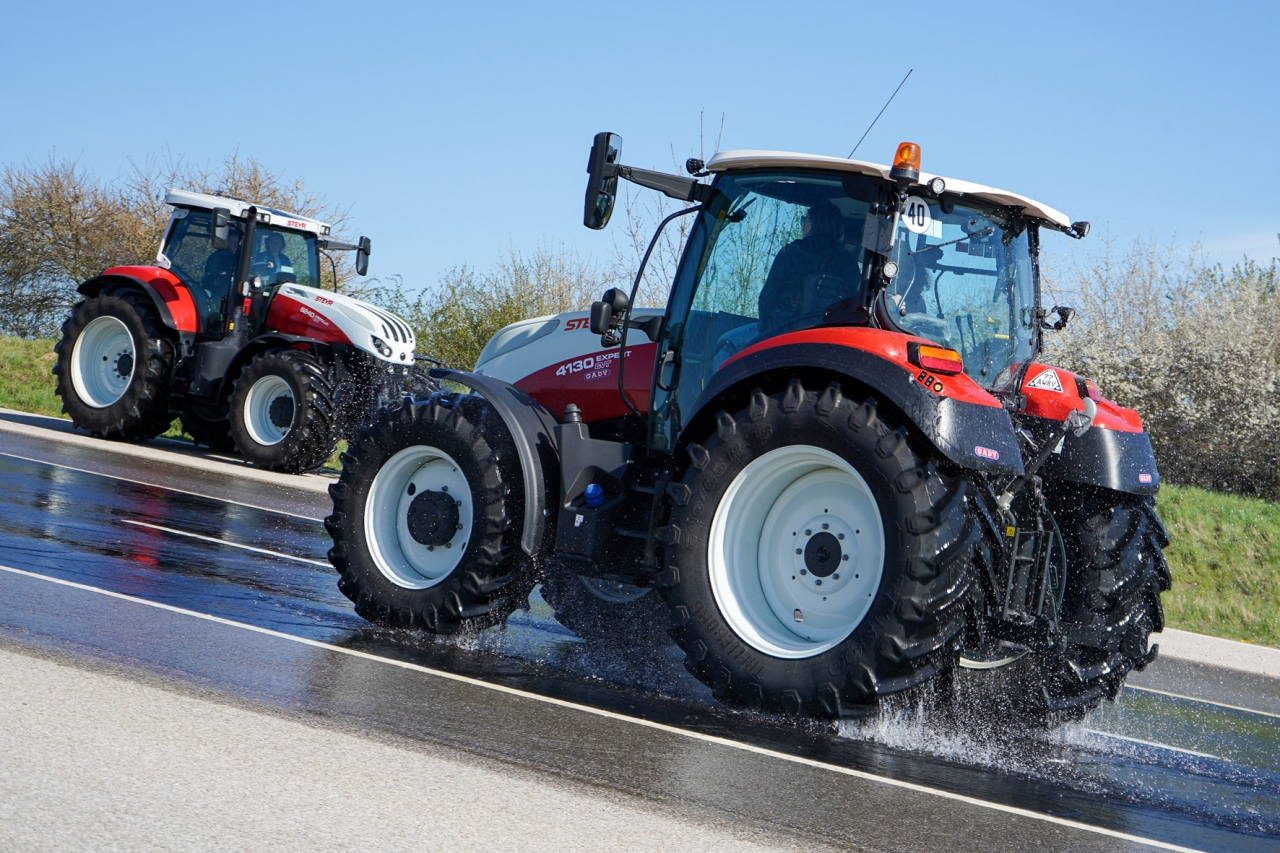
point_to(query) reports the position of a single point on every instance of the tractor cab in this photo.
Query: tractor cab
(204, 243)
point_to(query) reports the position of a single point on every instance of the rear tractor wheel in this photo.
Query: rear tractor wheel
(113, 368)
(814, 561)
(426, 518)
(283, 414)
(1109, 605)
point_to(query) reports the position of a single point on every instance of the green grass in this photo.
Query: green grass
(1224, 550)
(26, 379)
(1224, 553)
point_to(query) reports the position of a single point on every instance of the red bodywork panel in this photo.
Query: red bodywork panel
(294, 318)
(591, 382)
(182, 308)
(1052, 393)
(891, 346)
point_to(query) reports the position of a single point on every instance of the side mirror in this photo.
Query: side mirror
(221, 228)
(602, 180)
(607, 315)
(363, 247)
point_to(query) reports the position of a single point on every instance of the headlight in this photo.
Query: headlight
(381, 346)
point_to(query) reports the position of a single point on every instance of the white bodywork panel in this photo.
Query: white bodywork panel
(524, 348)
(278, 218)
(359, 321)
(727, 161)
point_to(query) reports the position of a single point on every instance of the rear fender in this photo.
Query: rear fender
(532, 429)
(1115, 453)
(172, 299)
(972, 435)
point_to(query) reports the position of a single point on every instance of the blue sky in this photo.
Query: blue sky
(458, 130)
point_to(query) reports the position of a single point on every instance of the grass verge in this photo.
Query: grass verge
(1224, 550)
(1224, 553)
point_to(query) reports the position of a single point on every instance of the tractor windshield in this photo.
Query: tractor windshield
(281, 256)
(965, 280)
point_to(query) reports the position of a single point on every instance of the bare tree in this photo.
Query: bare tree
(643, 210)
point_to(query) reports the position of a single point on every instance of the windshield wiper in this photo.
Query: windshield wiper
(982, 232)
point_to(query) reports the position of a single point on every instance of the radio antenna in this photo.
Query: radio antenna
(877, 118)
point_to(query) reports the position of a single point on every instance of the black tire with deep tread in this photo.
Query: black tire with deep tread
(142, 412)
(494, 577)
(639, 624)
(1115, 573)
(311, 439)
(198, 421)
(912, 629)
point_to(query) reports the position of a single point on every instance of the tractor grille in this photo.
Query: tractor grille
(393, 327)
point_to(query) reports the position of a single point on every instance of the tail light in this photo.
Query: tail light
(936, 359)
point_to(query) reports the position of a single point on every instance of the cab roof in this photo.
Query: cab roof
(239, 208)
(728, 161)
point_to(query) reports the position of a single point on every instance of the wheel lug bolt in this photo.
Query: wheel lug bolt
(825, 526)
(844, 557)
(840, 536)
(431, 547)
(836, 576)
(448, 544)
(798, 551)
(808, 533)
(817, 583)
(803, 572)
(444, 488)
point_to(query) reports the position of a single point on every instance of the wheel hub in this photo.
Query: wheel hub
(124, 365)
(433, 518)
(281, 412)
(822, 555)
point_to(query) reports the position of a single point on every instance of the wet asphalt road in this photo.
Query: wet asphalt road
(1180, 771)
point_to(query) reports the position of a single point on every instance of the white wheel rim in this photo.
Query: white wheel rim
(775, 599)
(258, 404)
(102, 362)
(405, 561)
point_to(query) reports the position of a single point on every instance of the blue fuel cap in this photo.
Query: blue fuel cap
(595, 495)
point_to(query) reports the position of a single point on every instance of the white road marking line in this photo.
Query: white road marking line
(225, 542)
(611, 715)
(158, 486)
(1203, 701)
(1154, 744)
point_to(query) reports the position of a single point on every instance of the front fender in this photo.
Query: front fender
(532, 429)
(970, 434)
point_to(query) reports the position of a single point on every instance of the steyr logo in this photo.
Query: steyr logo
(577, 323)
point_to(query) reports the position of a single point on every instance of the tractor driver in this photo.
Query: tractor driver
(273, 261)
(810, 274)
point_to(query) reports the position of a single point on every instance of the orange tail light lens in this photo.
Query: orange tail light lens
(936, 359)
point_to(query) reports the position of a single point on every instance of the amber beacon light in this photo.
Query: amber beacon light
(906, 163)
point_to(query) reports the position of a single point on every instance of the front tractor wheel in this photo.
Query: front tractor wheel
(425, 521)
(283, 413)
(815, 561)
(113, 367)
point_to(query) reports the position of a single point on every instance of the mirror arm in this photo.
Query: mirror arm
(672, 186)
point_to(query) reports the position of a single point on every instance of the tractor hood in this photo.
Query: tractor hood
(332, 317)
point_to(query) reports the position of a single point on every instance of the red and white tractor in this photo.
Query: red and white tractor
(832, 467)
(230, 331)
